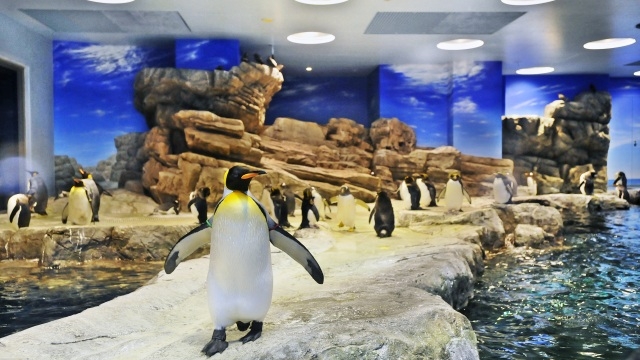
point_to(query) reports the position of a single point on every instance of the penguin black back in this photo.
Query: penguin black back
(414, 192)
(382, 213)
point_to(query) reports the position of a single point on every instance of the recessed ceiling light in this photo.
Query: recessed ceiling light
(637, 73)
(309, 68)
(609, 43)
(112, 1)
(525, 2)
(311, 37)
(535, 70)
(321, 2)
(460, 44)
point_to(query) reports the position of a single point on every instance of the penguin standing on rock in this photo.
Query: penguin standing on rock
(427, 191)
(587, 182)
(240, 279)
(37, 188)
(382, 213)
(454, 193)
(94, 191)
(620, 183)
(280, 208)
(317, 200)
(502, 190)
(198, 203)
(414, 193)
(79, 210)
(532, 184)
(289, 198)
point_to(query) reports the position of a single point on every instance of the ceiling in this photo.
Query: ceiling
(368, 32)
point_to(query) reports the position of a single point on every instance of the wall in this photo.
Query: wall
(207, 54)
(624, 151)
(33, 51)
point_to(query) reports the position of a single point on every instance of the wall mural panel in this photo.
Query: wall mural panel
(320, 99)
(93, 96)
(624, 151)
(207, 54)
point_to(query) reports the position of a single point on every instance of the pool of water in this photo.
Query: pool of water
(581, 301)
(31, 295)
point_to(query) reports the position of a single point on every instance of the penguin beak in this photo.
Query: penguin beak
(252, 174)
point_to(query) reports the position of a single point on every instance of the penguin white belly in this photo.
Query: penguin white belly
(311, 217)
(240, 279)
(453, 196)
(80, 211)
(533, 186)
(317, 200)
(192, 208)
(404, 194)
(347, 210)
(500, 193)
(425, 196)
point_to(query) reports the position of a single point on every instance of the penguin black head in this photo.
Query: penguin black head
(238, 178)
(204, 192)
(592, 174)
(344, 190)
(307, 194)
(78, 183)
(408, 179)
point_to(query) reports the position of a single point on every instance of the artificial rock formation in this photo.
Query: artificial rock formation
(570, 139)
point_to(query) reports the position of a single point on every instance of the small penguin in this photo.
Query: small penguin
(168, 208)
(587, 182)
(280, 208)
(94, 192)
(268, 202)
(502, 190)
(198, 203)
(19, 211)
(427, 191)
(37, 188)
(79, 210)
(258, 59)
(310, 214)
(239, 233)
(382, 213)
(317, 200)
(620, 183)
(532, 184)
(289, 198)
(347, 208)
(454, 192)
(513, 183)
(414, 192)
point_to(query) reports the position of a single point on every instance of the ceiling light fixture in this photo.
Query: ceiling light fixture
(609, 43)
(321, 2)
(637, 73)
(112, 1)
(311, 37)
(525, 2)
(460, 44)
(309, 68)
(535, 70)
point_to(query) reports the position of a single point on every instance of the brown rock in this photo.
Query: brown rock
(218, 145)
(392, 134)
(210, 122)
(303, 132)
(347, 132)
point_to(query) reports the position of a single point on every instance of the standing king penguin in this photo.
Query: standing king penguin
(454, 192)
(382, 213)
(37, 188)
(240, 278)
(94, 192)
(502, 190)
(78, 210)
(347, 208)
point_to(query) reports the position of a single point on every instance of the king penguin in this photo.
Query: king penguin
(19, 211)
(94, 192)
(37, 188)
(454, 192)
(586, 184)
(502, 190)
(382, 213)
(620, 183)
(78, 210)
(347, 208)
(239, 232)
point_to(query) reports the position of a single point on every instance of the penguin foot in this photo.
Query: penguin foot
(242, 326)
(352, 229)
(254, 333)
(341, 224)
(217, 343)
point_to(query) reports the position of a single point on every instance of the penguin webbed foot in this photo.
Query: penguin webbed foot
(217, 344)
(254, 333)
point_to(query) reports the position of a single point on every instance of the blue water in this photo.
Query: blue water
(581, 301)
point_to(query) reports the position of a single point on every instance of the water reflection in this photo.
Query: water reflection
(576, 302)
(30, 295)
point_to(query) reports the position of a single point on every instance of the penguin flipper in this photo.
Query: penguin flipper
(65, 213)
(284, 241)
(14, 212)
(444, 191)
(466, 195)
(373, 211)
(326, 205)
(316, 213)
(187, 244)
(363, 204)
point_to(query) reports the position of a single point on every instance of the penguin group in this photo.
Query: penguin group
(417, 192)
(240, 278)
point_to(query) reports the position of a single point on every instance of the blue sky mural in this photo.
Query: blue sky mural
(207, 54)
(93, 96)
(319, 99)
(625, 127)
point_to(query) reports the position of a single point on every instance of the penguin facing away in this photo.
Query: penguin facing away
(620, 183)
(19, 211)
(280, 208)
(289, 198)
(347, 208)
(310, 214)
(454, 193)
(414, 192)
(502, 190)
(382, 213)
(239, 232)
(37, 188)
(267, 201)
(587, 184)
(79, 210)
(198, 204)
